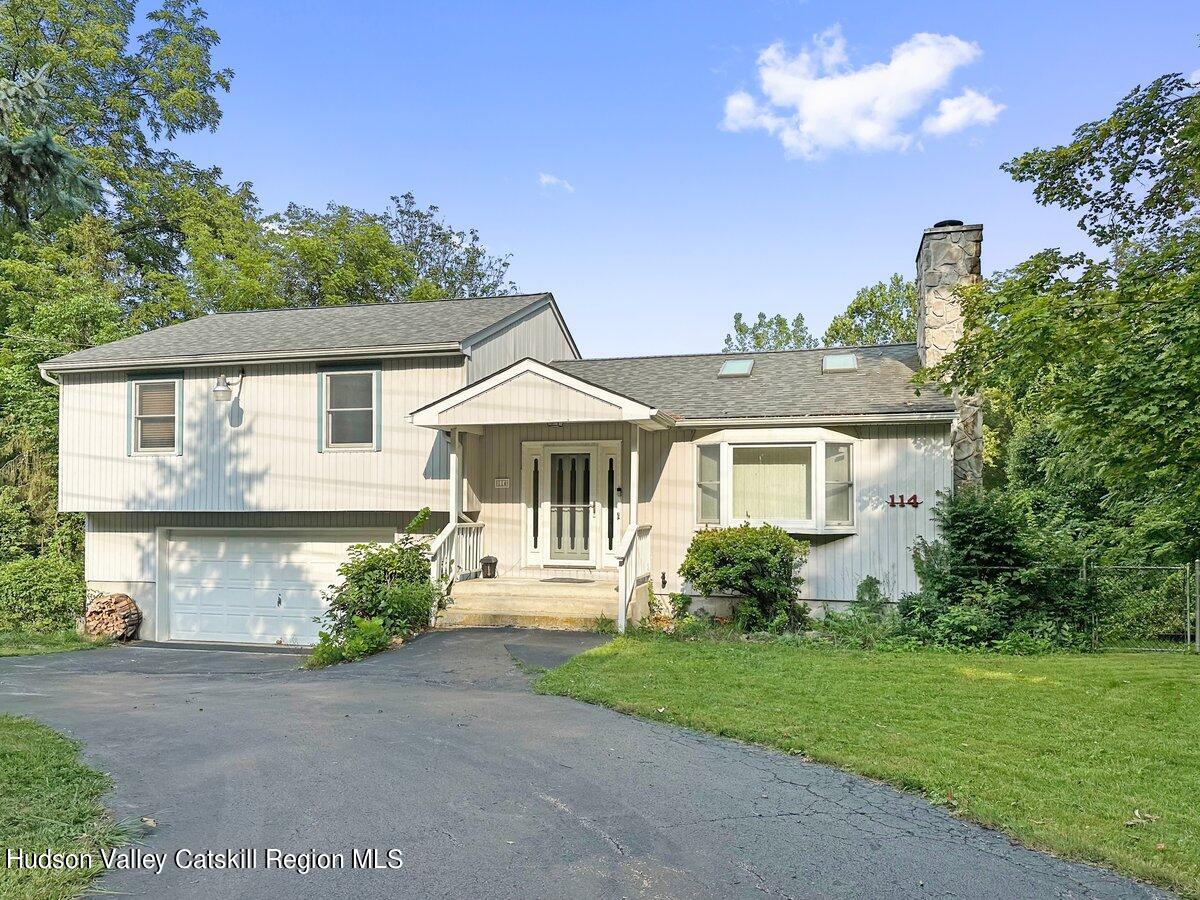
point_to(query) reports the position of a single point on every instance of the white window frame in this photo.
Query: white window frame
(853, 451)
(135, 423)
(700, 520)
(813, 438)
(727, 449)
(327, 412)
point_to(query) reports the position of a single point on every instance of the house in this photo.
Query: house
(224, 465)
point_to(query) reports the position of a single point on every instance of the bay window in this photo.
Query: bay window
(805, 485)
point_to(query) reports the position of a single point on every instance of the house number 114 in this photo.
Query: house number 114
(900, 500)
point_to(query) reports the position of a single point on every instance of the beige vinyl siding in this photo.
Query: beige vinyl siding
(121, 547)
(526, 397)
(890, 459)
(497, 454)
(257, 452)
(537, 336)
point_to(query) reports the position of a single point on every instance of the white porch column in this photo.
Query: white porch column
(634, 474)
(456, 484)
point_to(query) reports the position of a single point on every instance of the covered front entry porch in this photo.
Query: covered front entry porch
(544, 469)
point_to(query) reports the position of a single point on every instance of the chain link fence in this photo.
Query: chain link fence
(1143, 607)
(1115, 607)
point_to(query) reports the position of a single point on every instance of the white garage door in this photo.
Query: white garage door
(254, 587)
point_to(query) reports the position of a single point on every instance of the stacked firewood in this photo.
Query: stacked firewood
(115, 615)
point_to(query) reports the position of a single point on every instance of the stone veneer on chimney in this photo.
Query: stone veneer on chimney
(949, 256)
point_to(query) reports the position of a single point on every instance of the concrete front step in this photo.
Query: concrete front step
(530, 603)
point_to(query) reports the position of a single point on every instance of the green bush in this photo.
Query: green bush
(758, 565)
(41, 594)
(979, 583)
(389, 582)
(358, 639)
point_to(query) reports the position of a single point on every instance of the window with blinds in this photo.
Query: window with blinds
(350, 410)
(772, 483)
(154, 411)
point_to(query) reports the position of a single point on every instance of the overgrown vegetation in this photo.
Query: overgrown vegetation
(106, 231)
(385, 593)
(1096, 757)
(40, 594)
(49, 800)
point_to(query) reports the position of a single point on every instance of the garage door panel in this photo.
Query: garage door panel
(253, 587)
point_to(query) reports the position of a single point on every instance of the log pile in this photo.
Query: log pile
(114, 615)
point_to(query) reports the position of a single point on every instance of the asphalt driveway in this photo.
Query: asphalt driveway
(440, 750)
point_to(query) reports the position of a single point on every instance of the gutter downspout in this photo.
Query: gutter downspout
(47, 378)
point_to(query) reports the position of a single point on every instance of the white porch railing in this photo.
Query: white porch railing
(455, 554)
(633, 569)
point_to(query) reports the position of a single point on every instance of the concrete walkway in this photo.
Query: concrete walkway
(440, 750)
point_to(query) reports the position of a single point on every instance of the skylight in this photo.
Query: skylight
(839, 362)
(736, 368)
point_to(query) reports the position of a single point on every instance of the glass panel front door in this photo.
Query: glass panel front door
(571, 506)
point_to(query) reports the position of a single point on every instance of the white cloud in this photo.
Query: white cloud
(815, 101)
(956, 113)
(1194, 78)
(546, 180)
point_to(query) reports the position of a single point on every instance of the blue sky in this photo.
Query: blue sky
(680, 212)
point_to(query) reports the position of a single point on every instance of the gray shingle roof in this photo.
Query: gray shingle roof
(303, 331)
(782, 384)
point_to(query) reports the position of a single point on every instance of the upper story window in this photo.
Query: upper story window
(351, 409)
(154, 417)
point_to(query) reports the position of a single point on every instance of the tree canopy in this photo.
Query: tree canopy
(880, 313)
(775, 333)
(1103, 353)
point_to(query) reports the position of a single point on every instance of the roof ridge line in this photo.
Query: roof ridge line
(371, 303)
(733, 354)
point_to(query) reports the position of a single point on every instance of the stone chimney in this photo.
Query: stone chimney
(949, 256)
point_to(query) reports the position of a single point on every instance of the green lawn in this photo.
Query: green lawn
(19, 643)
(49, 800)
(1095, 757)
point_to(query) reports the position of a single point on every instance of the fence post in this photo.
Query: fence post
(1196, 598)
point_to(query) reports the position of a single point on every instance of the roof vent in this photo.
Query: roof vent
(736, 368)
(947, 223)
(839, 362)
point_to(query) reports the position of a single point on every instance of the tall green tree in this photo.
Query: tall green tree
(1105, 352)
(880, 313)
(775, 333)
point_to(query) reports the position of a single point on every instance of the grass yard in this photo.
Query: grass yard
(1093, 757)
(49, 800)
(19, 643)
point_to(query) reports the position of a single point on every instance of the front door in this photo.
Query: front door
(571, 507)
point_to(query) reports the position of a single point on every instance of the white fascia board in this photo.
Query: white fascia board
(631, 410)
(793, 422)
(193, 362)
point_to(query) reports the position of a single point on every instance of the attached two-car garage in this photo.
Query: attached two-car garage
(256, 587)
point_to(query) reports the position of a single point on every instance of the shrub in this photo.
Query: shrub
(979, 582)
(758, 565)
(41, 594)
(358, 639)
(389, 582)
